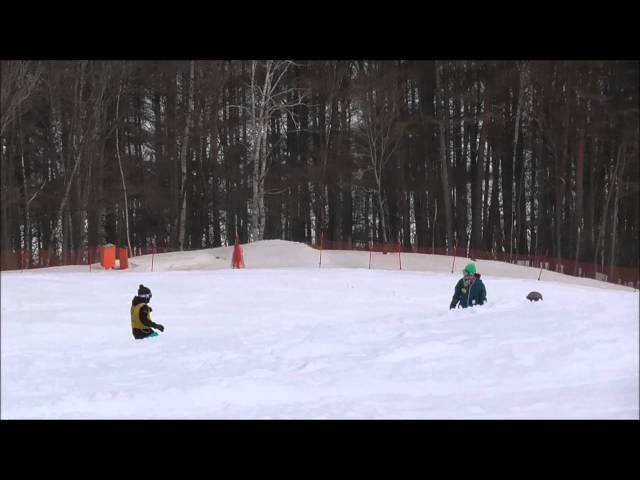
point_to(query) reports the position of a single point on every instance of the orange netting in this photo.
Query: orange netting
(391, 258)
(629, 276)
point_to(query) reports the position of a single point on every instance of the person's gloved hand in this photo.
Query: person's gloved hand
(160, 327)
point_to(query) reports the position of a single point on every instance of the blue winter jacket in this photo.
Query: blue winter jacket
(468, 294)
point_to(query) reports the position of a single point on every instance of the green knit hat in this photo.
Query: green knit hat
(470, 269)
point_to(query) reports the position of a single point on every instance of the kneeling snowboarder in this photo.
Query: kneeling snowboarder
(141, 323)
(469, 290)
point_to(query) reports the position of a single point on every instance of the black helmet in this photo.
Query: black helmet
(144, 292)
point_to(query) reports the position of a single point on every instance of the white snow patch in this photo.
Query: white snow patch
(286, 339)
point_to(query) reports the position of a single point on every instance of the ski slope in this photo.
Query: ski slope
(286, 339)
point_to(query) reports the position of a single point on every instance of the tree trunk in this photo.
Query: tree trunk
(259, 131)
(486, 227)
(172, 173)
(427, 158)
(561, 181)
(76, 153)
(214, 195)
(605, 208)
(476, 191)
(5, 167)
(183, 158)
(444, 167)
(614, 228)
(520, 185)
(27, 226)
(579, 200)
(614, 231)
(124, 185)
(460, 155)
(383, 224)
(495, 240)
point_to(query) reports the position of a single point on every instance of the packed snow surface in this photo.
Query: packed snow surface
(286, 339)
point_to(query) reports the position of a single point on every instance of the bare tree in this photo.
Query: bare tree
(183, 157)
(268, 96)
(527, 139)
(124, 184)
(18, 82)
(27, 205)
(78, 138)
(476, 212)
(611, 187)
(522, 69)
(380, 125)
(444, 164)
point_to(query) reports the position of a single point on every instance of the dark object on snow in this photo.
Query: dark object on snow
(534, 296)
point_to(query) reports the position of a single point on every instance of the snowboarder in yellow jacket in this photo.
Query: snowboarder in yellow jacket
(141, 323)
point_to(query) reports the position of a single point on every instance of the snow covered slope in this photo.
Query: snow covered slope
(301, 342)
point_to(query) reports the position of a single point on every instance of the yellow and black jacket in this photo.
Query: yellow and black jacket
(141, 323)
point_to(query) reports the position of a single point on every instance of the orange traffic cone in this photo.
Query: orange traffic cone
(237, 260)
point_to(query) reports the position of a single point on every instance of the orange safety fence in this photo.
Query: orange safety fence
(630, 276)
(101, 257)
(25, 259)
(117, 257)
